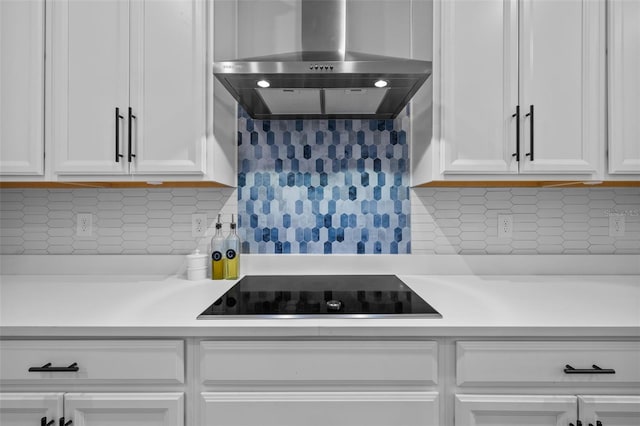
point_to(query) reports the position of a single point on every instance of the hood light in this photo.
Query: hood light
(263, 83)
(381, 83)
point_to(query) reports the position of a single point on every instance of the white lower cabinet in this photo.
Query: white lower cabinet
(547, 363)
(320, 408)
(303, 382)
(593, 383)
(319, 363)
(609, 410)
(317, 382)
(90, 382)
(547, 410)
(126, 409)
(79, 362)
(510, 410)
(29, 409)
(92, 409)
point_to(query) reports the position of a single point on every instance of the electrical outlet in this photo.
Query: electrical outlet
(505, 226)
(616, 225)
(198, 224)
(84, 225)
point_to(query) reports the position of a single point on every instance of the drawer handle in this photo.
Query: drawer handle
(43, 422)
(594, 370)
(62, 422)
(48, 368)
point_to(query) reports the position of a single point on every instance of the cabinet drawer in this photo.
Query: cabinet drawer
(320, 408)
(319, 362)
(544, 363)
(97, 361)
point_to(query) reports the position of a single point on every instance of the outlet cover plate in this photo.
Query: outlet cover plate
(84, 225)
(505, 226)
(616, 225)
(198, 224)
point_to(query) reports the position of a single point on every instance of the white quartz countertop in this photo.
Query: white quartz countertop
(471, 305)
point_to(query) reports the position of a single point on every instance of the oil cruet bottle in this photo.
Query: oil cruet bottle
(217, 253)
(232, 253)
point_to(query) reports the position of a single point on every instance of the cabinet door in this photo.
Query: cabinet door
(320, 409)
(28, 409)
(168, 94)
(90, 69)
(610, 410)
(126, 409)
(509, 410)
(21, 87)
(624, 86)
(562, 77)
(479, 86)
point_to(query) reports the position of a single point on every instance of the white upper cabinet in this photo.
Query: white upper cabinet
(22, 87)
(624, 86)
(167, 94)
(479, 86)
(521, 88)
(90, 86)
(562, 82)
(128, 87)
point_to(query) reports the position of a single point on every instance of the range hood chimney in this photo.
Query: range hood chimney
(324, 80)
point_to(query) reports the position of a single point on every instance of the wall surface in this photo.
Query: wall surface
(443, 220)
(427, 221)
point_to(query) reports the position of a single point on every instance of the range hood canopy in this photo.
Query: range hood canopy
(323, 80)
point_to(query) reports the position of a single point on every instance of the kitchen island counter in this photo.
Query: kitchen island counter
(471, 305)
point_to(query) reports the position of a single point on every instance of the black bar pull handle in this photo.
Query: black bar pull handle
(593, 370)
(62, 423)
(118, 118)
(598, 423)
(48, 368)
(530, 113)
(131, 118)
(517, 116)
(43, 422)
(578, 423)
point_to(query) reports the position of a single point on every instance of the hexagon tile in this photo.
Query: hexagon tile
(324, 186)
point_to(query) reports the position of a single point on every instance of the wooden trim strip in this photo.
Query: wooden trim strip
(529, 184)
(434, 184)
(78, 185)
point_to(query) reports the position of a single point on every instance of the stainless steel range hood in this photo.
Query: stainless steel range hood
(323, 80)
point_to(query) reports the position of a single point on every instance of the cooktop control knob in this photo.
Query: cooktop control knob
(334, 305)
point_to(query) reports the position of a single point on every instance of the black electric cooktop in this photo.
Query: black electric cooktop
(319, 296)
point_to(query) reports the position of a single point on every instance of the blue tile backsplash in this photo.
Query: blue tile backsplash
(324, 186)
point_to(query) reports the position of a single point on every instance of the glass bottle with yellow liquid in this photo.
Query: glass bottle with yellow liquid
(217, 253)
(232, 254)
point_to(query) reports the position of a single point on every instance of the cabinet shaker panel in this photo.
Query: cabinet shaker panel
(22, 87)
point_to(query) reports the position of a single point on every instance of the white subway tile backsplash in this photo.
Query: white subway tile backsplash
(546, 221)
(498, 204)
(443, 220)
(549, 213)
(550, 248)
